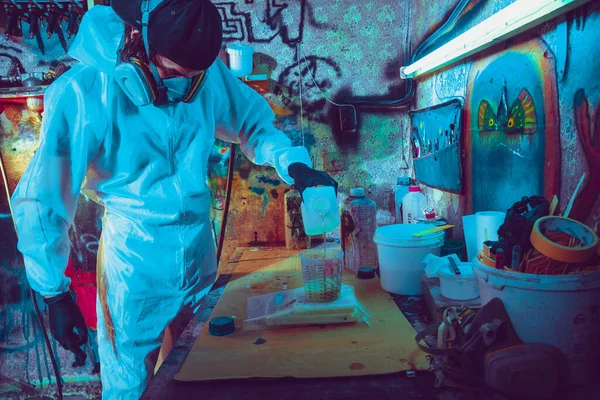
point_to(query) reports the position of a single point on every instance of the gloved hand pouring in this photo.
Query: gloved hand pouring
(132, 124)
(305, 177)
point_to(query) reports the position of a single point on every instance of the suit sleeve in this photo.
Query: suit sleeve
(45, 200)
(243, 116)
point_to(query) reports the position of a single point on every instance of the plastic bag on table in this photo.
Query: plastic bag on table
(290, 308)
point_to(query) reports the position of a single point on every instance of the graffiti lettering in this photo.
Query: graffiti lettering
(243, 22)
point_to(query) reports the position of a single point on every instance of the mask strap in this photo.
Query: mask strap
(147, 7)
(194, 88)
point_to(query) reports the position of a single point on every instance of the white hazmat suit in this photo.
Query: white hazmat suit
(148, 167)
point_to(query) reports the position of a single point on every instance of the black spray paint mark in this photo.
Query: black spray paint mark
(313, 102)
(269, 181)
(257, 190)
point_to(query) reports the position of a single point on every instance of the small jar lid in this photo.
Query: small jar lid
(240, 49)
(357, 192)
(366, 273)
(221, 326)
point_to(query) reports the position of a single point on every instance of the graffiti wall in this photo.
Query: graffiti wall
(530, 104)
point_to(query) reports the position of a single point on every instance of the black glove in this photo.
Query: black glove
(305, 177)
(65, 317)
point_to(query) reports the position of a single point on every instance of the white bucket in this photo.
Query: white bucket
(400, 255)
(560, 310)
(240, 59)
(458, 287)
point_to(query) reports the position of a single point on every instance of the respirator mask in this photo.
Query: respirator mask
(142, 84)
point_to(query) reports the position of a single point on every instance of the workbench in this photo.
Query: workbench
(408, 385)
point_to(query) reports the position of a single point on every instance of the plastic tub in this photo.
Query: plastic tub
(458, 287)
(400, 255)
(322, 272)
(240, 59)
(560, 310)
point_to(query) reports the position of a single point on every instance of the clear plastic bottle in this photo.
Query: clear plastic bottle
(295, 236)
(401, 190)
(359, 222)
(320, 210)
(412, 205)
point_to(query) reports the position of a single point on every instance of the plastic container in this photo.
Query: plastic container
(295, 236)
(458, 287)
(240, 58)
(412, 205)
(400, 191)
(560, 310)
(320, 210)
(322, 272)
(359, 216)
(400, 255)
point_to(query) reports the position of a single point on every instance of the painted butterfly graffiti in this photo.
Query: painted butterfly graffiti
(520, 119)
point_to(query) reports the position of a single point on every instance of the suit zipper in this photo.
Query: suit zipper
(171, 158)
(170, 145)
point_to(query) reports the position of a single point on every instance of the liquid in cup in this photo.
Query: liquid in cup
(322, 274)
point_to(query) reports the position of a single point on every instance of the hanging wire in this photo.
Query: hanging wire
(300, 87)
(317, 85)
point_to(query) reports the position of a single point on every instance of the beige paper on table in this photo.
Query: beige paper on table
(386, 346)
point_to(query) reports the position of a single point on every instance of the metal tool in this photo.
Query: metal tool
(53, 17)
(516, 257)
(75, 14)
(454, 266)
(13, 20)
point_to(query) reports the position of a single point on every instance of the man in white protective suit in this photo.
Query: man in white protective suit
(132, 124)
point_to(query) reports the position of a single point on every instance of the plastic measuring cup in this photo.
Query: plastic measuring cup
(322, 272)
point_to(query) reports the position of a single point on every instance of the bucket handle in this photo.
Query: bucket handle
(486, 279)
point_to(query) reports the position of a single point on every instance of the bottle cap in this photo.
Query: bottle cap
(221, 326)
(357, 192)
(366, 273)
(414, 189)
(429, 213)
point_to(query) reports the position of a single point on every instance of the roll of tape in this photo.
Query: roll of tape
(557, 251)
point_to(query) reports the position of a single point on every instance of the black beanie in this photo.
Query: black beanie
(188, 32)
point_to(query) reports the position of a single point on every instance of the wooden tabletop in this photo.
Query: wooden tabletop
(163, 386)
